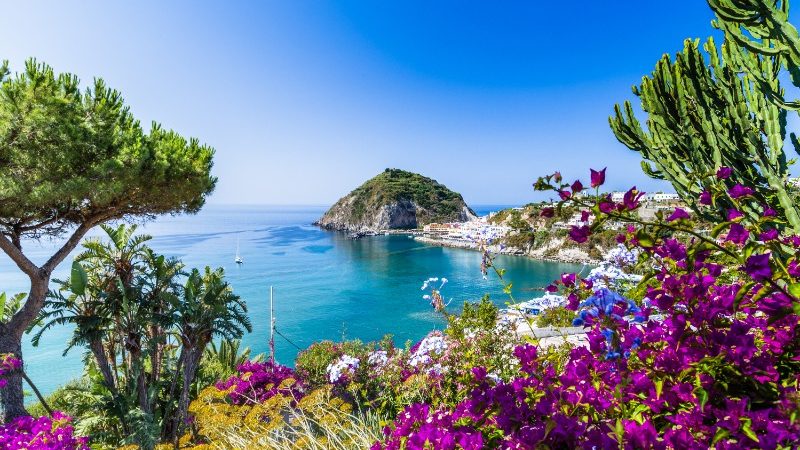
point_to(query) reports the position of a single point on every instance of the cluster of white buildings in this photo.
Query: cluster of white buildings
(656, 197)
(477, 230)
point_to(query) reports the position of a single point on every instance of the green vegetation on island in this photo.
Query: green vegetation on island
(547, 237)
(396, 199)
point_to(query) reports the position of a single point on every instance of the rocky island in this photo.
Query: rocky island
(395, 199)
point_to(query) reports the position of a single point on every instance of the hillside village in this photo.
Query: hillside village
(523, 230)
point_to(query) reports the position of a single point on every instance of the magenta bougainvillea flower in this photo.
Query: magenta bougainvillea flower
(737, 234)
(256, 382)
(630, 200)
(8, 364)
(579, 234)
(678, 214)
(724, 173)
(733, 214)
(598, 177)
(41, 433)
(757, 266)
(739, 191)
(705, 198)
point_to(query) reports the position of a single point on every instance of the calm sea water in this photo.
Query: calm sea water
(326, 286)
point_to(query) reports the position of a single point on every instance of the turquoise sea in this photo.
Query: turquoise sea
(326, 286)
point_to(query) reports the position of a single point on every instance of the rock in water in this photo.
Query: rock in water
(396, 199)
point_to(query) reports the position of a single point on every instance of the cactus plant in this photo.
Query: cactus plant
(721, 106)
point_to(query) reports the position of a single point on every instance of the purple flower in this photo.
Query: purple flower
(724, 172)
(631, 198)
(769, 212)
(678, 214)
(757, 266)
(737, 234)
(568, 279)
(584, 216)
(738, 191)
(705, 198)
(794, 269)
(598, 177)
(564, 195)
(769, 235)
(734, 214)
(548, 211)
(576, 187)
(579, 234)
(606, 205)
(256, 382)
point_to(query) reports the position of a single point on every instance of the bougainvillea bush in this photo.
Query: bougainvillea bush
(706, 356)
(256, 382)
(42, 433)
(36, 433)
(385, 378)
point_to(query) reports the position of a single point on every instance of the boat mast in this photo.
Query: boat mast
(271, 329)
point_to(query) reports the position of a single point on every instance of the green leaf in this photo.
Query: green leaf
(747, 430)
(794, 289)
(645, 239)
(715, 232)
(78, 279)
(703, 395)
(721, 434)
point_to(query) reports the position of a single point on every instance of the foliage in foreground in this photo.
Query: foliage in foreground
(42, 433)
(708, 357)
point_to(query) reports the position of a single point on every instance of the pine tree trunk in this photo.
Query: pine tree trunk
(12, 397)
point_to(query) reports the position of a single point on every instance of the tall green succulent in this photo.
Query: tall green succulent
(720, 106)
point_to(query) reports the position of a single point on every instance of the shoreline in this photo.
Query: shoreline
(502, 251)
(420, 236)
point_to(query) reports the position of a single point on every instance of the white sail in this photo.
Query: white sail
(238, 258)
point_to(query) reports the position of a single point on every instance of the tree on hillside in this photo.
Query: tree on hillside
(71, 159)
(723, 107)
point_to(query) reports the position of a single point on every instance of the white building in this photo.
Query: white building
(617, 196)
(661, 197)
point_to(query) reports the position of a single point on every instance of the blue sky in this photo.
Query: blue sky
(304, 100)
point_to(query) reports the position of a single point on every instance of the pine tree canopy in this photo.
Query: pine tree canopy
(70, 157)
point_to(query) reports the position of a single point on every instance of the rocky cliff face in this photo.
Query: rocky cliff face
(395, 199)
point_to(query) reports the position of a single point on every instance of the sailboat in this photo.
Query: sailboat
(238, 258)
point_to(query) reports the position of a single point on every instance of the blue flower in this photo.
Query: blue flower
(608, 333)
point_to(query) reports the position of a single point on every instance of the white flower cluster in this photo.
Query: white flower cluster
(436, 369)
(608, 275)
(429, 281)
(620, 256)
(346, 365)
(546, 301)
(433, 344)
(378, 358)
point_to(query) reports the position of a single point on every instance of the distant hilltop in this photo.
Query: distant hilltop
(396, 199)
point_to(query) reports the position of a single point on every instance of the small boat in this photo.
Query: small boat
(238, 259)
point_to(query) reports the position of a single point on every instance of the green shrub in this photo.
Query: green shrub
(558, 316)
